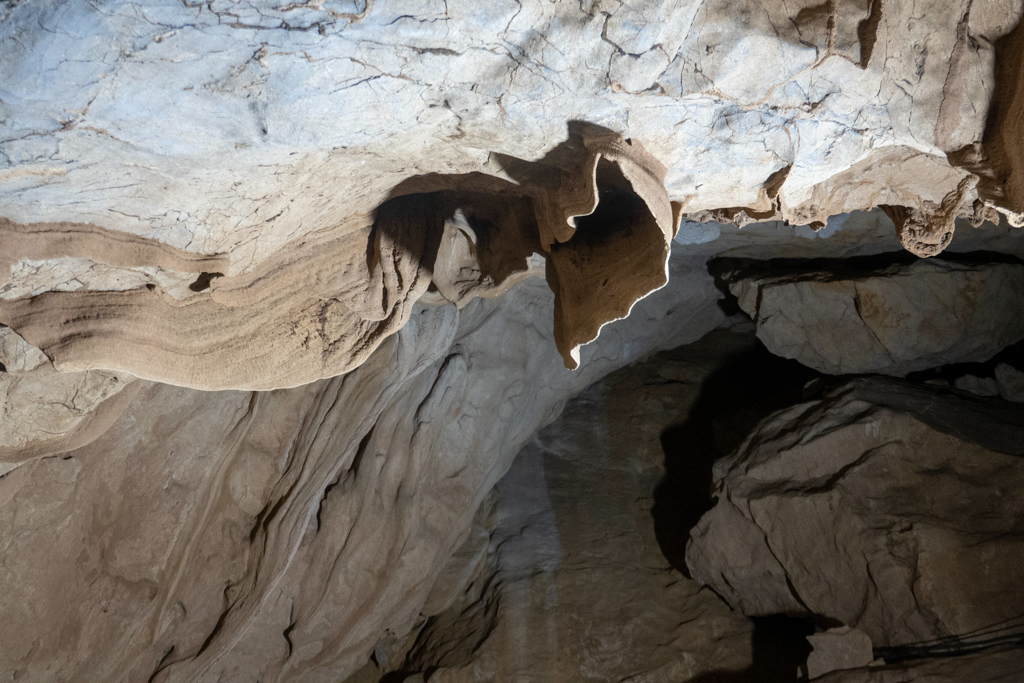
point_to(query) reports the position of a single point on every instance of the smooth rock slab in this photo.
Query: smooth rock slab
(892, 321)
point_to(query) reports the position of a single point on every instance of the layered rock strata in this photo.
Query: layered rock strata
(252, 196)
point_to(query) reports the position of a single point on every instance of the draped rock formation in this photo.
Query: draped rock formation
(285, 286)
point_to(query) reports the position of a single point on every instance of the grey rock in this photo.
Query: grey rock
(884, 506)
(838, 648)
(979, 386)
(893, 321)
(994, 666)
(1011, 382)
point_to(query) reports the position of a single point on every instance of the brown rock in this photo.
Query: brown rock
(243, 535)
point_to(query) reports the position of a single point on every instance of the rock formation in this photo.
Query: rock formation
(577, 586)
(286, 286)
(887, 507)
(893, 320)
(246, 534)
(1001, 666)
(255, 151)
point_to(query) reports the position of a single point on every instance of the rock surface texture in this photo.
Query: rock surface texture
(998, 666)
(246, 535)
(893, 320)
(578, 588)
(891, 508)
(251, 195)
(286, 286)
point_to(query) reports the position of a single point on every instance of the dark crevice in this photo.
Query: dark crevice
(202, 282)
(779, 647)
(749, 386)
(867, 32)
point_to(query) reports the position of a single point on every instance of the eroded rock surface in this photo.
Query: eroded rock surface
(996, 666)
(214, 185)
(888, 507)
(43, 411)
(578, 587)
(241, 535)
(841, 319)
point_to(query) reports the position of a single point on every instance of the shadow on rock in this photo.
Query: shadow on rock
(749, 386)
(779, 646)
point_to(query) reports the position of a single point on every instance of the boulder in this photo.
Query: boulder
(894, 320)
(892, 508)
(979, 386)
(838, 648)
(1011, 382)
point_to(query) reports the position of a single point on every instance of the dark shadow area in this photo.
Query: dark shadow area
(831, 269)
(780, 647)
(202, 282)
(748, 387)
(1011, 355)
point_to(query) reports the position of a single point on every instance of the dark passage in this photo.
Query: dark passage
(779, 647)
(749, 386)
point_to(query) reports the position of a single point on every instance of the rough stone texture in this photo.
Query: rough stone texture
(838, 648)
(249, 145)
(896, 320)
(579, 588)
(1011, 382)
(254, 196)
(883, 506)
(979, 386)
(996, 666)
(240, 536)
(43, 411)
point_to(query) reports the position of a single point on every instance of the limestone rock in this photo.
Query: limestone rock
(578, 588)
(247, 196)
(242, 535)
(1011, 382)
(994, 666)
(893, 321)
(892, 508)
(979, 386)
(838, 648)
(44, 412)
(17, 355)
